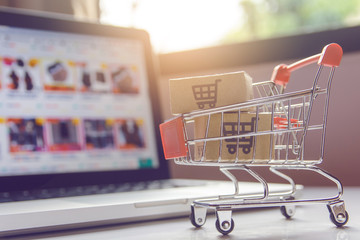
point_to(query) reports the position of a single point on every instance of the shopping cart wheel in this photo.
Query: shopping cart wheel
(197, 216)
(224, 222)
(340, 220)
(287, 211)
(226, 227)
(338, 215)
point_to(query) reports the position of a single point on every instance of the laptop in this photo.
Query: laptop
(79, 142)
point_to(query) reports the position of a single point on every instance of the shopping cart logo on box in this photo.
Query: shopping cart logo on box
(246, 143)
(206, 94)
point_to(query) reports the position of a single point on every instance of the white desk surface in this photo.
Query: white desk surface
(309, 222)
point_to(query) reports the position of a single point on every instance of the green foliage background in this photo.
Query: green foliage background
(268, 18)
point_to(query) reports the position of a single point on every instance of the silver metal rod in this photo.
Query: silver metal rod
(253, 103)
(186, 138)
(256, 131)
(287, 178)
(203, 154)
(327, 100)
(237, 139)
(226, 172)
(272, 130)
(221, 135)
(235, 203)
(312, 98)
(260, 133)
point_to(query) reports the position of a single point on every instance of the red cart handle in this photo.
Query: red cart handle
(329, 57)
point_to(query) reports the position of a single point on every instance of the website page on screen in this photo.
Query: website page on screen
(73, 103)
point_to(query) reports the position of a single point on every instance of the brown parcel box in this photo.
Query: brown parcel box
(203, 92)
(228, 152)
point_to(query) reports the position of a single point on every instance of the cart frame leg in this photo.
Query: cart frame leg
(324, 174)
(226, 172)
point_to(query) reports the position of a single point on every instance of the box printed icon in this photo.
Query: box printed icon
(236, 128)
(204, 92)
(241, 147)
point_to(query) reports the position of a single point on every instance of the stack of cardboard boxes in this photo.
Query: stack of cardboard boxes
(205, 92)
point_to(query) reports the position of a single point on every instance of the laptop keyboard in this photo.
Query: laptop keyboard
(84, 190)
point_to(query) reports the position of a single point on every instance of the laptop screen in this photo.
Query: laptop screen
(75, 98)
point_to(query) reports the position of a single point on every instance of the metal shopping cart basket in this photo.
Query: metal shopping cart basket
(280, 123)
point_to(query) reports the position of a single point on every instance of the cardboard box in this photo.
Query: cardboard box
(230, 127)
(204, 92)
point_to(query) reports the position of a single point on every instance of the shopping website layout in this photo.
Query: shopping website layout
(73, 103)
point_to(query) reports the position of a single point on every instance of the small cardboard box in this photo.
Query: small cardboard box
(204, 92)
(230, 127)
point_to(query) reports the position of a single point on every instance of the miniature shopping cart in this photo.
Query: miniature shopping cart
(286, 122)
(206, 94)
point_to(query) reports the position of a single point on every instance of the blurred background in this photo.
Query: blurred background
(182, 25)
(192, 38)
(179, 25)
